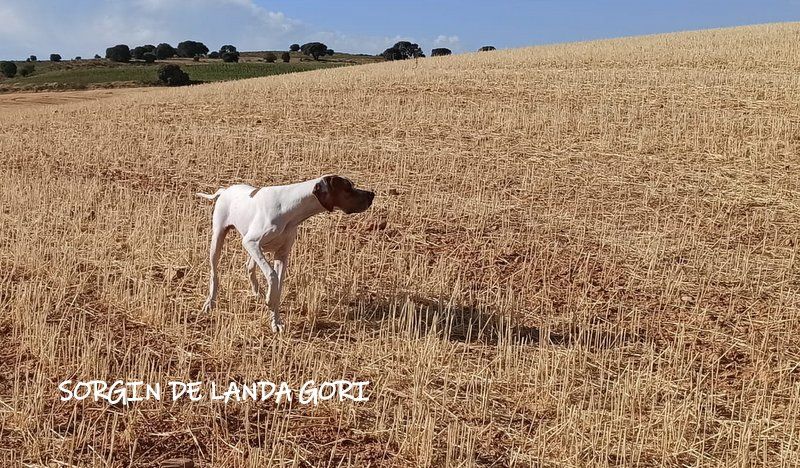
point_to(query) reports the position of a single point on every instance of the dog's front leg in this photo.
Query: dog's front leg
(250, 269)
(281, 265)
(253, 246)
(275, 291)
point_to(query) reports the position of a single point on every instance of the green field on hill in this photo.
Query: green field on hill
(95, 73)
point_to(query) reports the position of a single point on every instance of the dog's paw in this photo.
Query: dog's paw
(277, 327)
(207, 306)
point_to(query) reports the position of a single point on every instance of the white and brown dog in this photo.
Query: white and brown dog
(267, 218)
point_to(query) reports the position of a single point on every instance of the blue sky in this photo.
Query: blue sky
(86, 27)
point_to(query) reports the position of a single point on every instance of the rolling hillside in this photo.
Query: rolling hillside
(579, 255)
(104, 74)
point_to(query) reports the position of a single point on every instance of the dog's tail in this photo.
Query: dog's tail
(212, 196)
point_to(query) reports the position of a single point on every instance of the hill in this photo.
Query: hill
(342, 57)
(101, 73)
(579, 255)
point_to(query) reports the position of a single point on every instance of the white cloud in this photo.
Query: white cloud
(87, 27)
(11, 20)
(357, 44)
(451, 42)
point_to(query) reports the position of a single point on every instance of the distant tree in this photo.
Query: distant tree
(191, 48)
(32, 58)
(404, 47)
(149, 57)
(440, 52)
(165, 51)
(78, 58)
(286, 57)
(230, 57)
(97, 56)
(314, 49)
(487, 48)
(329, 52)
(213, 55)
(294, 47)
(138, 52)
(55, 57)
(409, 50)
(9, 69)
(403, 50)
(270, 57)
(119, 53)
(226, 48)
(26, 69)
(172, 75)
(392, 54)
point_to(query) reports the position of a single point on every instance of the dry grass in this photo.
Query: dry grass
(29, 100)
(580, 255)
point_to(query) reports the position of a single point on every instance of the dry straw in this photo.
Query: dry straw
(579, 255)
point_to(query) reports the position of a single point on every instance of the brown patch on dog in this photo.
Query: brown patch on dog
(338, 192)
(323, 192)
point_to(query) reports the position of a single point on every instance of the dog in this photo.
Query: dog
(267, 219)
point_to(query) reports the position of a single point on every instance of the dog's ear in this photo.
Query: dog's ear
(323, 190)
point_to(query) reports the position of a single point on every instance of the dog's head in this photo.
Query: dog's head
(334, 191)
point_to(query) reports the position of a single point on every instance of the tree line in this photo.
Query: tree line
(172, 75)
(405, 50)
(196, 50)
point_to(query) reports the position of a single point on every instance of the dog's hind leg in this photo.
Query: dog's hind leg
(217, 239)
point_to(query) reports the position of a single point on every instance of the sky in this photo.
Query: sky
(87, 27)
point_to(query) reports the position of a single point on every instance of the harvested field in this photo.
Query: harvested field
(579, 255)
(25, 101)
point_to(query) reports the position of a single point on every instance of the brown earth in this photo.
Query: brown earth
(29, 100)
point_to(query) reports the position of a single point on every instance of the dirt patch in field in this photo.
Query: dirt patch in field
(50, 98)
